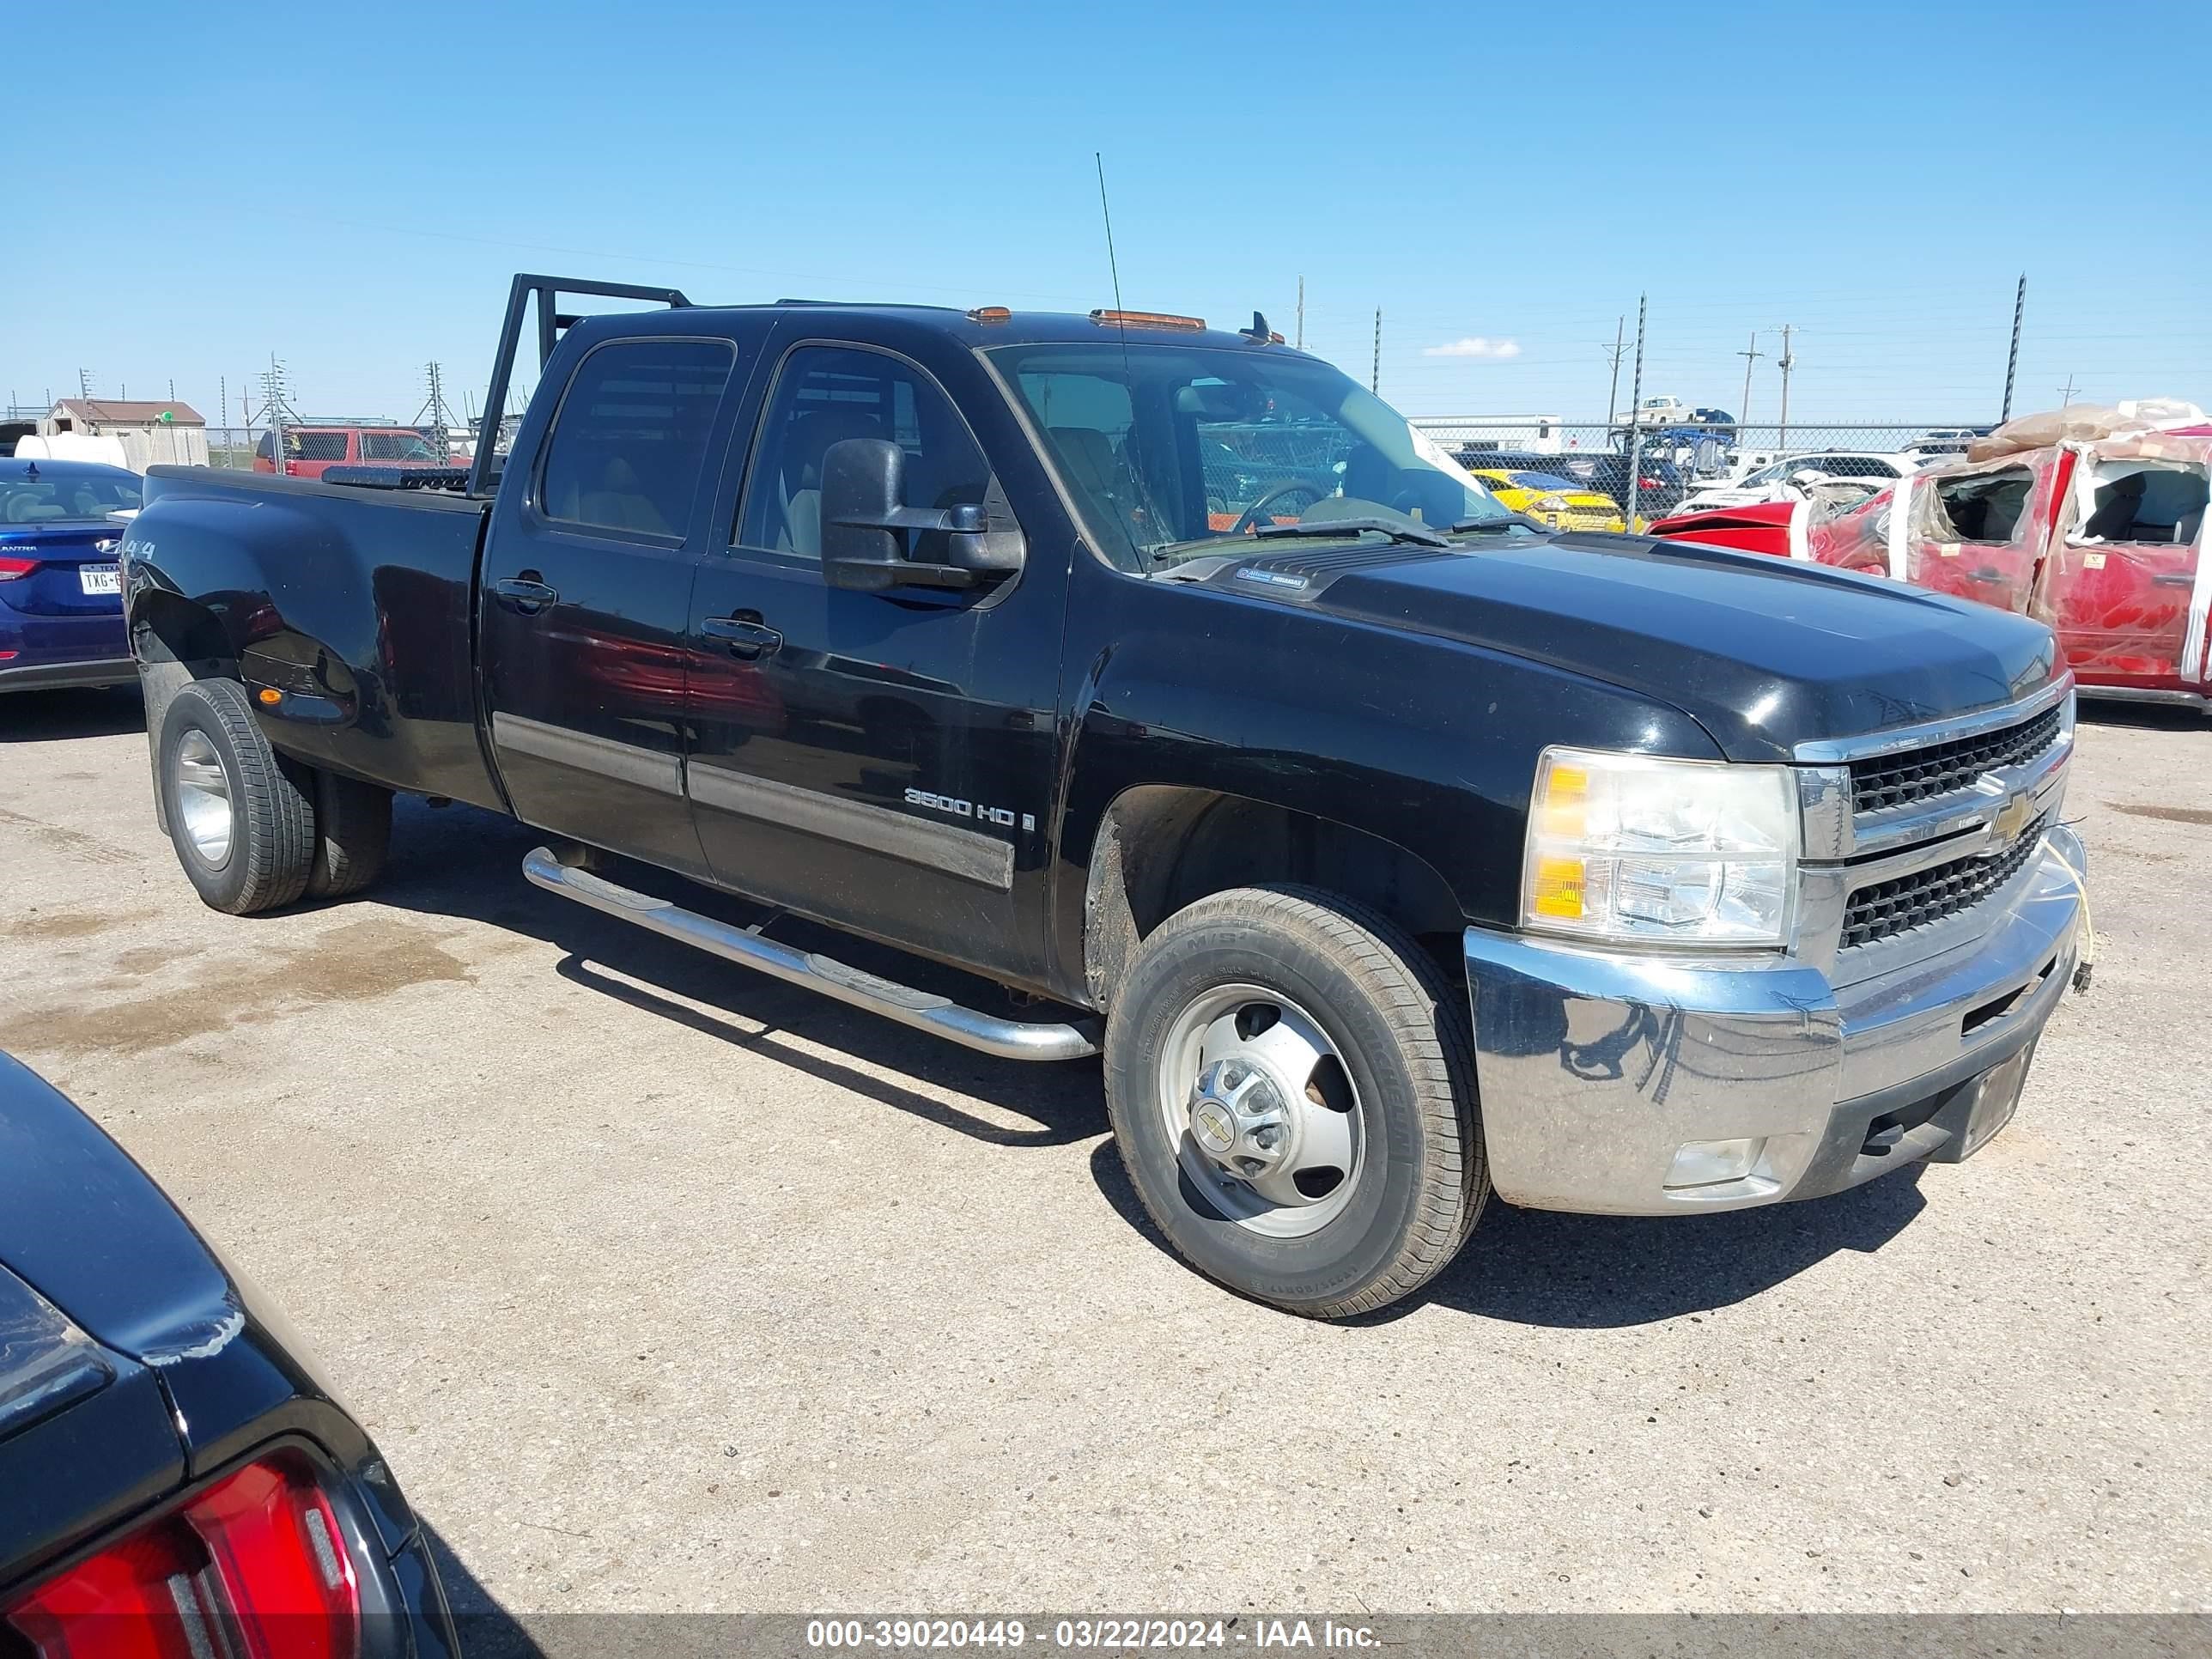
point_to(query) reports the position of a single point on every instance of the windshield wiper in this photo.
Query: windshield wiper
(1397, 530)
(1511, 521)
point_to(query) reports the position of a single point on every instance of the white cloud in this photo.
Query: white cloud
(1473, 345)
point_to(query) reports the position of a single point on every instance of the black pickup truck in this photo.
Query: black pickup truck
(1392, 850)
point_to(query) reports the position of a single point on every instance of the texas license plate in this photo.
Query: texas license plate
(100, 579)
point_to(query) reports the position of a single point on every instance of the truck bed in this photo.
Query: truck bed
(365, 593)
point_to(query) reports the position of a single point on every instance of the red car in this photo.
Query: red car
(2096, 525)
(312, 451)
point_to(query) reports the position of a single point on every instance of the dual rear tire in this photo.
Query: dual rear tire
(255, 830)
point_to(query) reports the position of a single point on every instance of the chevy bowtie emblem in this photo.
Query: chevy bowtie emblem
(2011, 819)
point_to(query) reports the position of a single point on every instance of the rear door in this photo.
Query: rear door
(2123, 586)
(587, 575)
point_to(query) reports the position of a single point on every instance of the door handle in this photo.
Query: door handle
(524, 593)
(746, 639)
(2175, 579)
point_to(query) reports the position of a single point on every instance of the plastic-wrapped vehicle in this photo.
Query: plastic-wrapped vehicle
(2089, 519)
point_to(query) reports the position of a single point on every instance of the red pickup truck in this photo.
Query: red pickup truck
(312, 451)
(2087, 520)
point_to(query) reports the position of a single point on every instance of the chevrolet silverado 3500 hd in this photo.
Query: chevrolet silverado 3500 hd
(1392, 849)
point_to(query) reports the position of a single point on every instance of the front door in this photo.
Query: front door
(879, 760)
(587, 590)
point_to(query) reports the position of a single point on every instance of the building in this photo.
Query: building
(151, 434)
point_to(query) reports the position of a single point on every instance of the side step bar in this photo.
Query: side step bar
(1009, 1039)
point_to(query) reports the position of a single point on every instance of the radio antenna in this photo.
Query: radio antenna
(1136, 443)
(1107, 214)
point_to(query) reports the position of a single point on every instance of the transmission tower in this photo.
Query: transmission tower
(436, 413)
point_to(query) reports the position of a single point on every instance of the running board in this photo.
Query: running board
(1009, 1039)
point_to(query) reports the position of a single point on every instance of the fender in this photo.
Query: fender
(1420, 741)
(357, 606)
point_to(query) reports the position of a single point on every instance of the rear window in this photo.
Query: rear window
(51, 498)
(630, 440)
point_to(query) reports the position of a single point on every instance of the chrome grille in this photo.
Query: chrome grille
(1942, 768)
(1890, 908)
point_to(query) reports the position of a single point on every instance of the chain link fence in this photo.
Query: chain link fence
(1736, 462)
(309, 447)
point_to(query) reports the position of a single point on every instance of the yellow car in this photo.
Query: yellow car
(1559, 502)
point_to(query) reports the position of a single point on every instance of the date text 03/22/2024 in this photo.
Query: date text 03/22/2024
(1087, 1634)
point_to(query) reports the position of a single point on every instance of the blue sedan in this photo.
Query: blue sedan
(61, 611)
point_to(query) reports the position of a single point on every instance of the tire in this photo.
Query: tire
(353, 833)
(216, 768)
(1331, 975)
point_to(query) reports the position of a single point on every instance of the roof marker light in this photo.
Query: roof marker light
(1145, 319)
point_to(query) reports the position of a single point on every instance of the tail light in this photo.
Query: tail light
(1650, 483)
(12, 567)
(291, 468)
(255, 1566)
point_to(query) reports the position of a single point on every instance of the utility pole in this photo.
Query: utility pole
(1614, 351)
(1302, 313)
(222, 398)
(2012, 358)
(1636, 427)
(1374, 374)
(1785, 362)
(84, 383)
(2065, 392)
(1750, 360)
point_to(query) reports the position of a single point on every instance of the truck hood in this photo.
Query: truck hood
(1764, 653)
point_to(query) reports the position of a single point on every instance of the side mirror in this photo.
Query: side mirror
(872, 541)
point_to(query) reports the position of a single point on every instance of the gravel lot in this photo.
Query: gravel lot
(666, 1286)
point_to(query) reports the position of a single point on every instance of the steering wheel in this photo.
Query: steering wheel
(1249, 519)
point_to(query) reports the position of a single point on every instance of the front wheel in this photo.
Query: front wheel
(1291, 1083)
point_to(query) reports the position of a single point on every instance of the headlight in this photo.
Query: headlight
(1641, 850)
(1553, 504)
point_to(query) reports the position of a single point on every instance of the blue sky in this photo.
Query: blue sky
(351, 188)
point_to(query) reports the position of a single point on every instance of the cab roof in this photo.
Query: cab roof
(982, 326)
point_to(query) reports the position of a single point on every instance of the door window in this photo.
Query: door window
(397, 447)
(315, 445)
(630, 440)
(826, 394)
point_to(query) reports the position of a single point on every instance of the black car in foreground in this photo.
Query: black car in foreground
(174, 1477)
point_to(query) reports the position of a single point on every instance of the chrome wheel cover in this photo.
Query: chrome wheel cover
(203, 798)
(1261, 1108)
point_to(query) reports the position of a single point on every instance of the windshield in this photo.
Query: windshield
(1172, 451)
(1543, 481)
(48, 496)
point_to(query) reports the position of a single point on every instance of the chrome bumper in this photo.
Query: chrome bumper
(1595, 1069)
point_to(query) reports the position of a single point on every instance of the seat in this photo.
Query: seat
(620, 503)
(806, 439)
(2117, 506)
(1091, 466)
